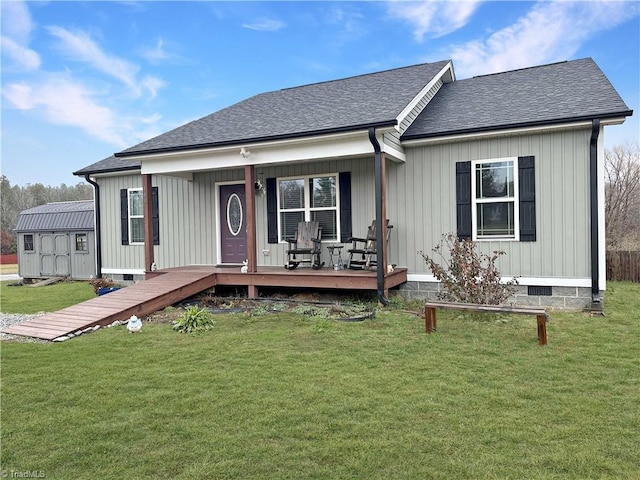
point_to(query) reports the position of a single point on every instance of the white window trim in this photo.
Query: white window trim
(129, 216)
(307, 202)
(515, 199)
(86, 243)
(33, 243)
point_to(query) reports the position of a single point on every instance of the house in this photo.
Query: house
(512, 160)
(57, 240)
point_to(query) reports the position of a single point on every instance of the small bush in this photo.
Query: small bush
(468, 276)
(194, 320)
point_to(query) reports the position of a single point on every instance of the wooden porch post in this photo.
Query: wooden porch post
(147, 207)
(250, 205)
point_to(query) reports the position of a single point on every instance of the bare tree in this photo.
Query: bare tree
(622, 197)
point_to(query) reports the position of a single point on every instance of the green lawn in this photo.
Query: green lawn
(293, 397)
(49, 298)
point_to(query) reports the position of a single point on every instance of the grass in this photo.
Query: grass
(285, 396)
(8, 269)
(26, 299)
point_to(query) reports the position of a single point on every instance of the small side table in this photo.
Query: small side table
(335, 257)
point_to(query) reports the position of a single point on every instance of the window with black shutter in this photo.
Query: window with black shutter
(322, 198)
(495, 199)
(132, 216)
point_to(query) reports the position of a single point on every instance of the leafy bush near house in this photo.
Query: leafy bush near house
(104, 282)
(467, 275)
(194, 320)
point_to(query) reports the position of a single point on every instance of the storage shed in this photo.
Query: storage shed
(57, 240)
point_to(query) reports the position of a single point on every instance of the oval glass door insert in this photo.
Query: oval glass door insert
(234, 214)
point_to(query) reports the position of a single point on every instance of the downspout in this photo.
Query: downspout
(96, 199)
(380, 269)
(596, 300)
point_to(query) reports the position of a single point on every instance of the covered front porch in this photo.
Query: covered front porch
(256, 226)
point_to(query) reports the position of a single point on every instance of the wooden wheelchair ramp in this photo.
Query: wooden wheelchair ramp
(139, 299)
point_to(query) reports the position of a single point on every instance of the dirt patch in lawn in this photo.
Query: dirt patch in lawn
(307, 304)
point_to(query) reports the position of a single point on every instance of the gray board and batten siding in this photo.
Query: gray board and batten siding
(422, 201)
(51, 231)
(420, 205)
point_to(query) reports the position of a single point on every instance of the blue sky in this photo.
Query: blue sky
(82, 80)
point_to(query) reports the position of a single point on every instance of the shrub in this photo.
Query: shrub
(468, 276)
(104, 282)
(194, 320)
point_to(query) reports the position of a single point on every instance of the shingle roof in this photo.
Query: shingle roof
(350, 103)
(548, 94)
(109, 164)
(59, 216)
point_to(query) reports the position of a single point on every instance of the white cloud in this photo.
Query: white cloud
(16, 32)
(23, 57)
(79, 46)
(162, 52)
(16, 21)
(65, 102)
(265, 25)
(433, 17)
(551, 31)
(156, 53)
(152, 85)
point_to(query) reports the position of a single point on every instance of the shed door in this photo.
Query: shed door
(233, 224)
(54, 254)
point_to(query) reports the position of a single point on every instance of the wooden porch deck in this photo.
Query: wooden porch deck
(167, 287)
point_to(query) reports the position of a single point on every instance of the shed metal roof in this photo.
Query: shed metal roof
(548, 94)
(337, 105)
(59, 216)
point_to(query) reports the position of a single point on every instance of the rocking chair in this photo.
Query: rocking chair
(306, 242)
(363, 254)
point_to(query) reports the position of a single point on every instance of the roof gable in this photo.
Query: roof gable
(338, 105)
(549, 94)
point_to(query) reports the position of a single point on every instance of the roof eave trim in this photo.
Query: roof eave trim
(83, 173)
(543, 123)
(244, 141)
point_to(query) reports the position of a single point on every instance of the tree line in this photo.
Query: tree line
(622, 197)
(15, 198)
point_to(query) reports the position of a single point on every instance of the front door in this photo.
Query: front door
(233, 224)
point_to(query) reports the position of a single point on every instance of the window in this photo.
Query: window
(81, 242)
(136, 216)
(28, 243)
(521, 196)
(305, 199)
(132, 216)
(494, 194)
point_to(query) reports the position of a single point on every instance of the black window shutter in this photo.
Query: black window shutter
(463, 199)
(527, 190)
(344, 181)
(124, 216)
(155, 215)
(272, 211)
